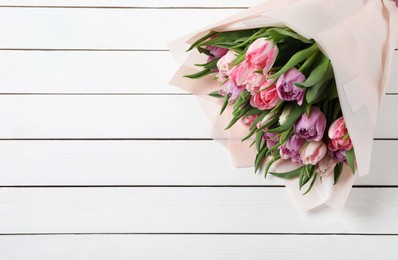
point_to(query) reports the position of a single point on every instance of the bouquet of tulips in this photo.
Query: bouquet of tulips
(301, 83)
(283, 88)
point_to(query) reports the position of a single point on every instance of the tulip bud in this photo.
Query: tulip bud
(262, 54)
(285, 115)
(339, 137)
(313, 152)
(326, 166)
(267, 118)
(224, 64)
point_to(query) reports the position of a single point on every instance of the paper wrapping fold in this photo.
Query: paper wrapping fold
(359, 38)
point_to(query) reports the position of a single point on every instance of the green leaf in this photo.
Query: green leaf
(259, 139)
(242, 99)
(308, 63)
(333, 92)
(336, 111)
(229, 39)
(305, 175)
(271, 122)
(288, 175)
(285, 136)
(248, 40)
(317, 73)
(302, 176)
(269, 164)
(314, 93)
(225, 104)
(260, 157)
(200, 74)
(338, 169)
(216, 94)
(238, 116)
(202, 39)
(279, 34)
(204, 51)
(319, 92)
(253, 111)
(307, 108)
(313, 176)
(350, 155)
(295, 60)
(251, 133)
(209, 65)
(259, 118)
(294, 115)
(241, 57)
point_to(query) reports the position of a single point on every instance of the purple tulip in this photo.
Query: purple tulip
(217, 51)
(313, 127)
(338, 155)
(292, 149)
(271, 138)
(229, 87)
(286, 88)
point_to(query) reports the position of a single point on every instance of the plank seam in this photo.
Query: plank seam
(172, 186)
(87, 49)
(110, 94)
(127, 7)
(198, 234)
(96, 94)
(135, 139)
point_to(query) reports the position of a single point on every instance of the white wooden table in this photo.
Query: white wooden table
(101, 159)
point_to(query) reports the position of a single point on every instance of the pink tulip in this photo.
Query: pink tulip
(326, 166)
(265, 99)
(261, 54)
(253, 82)
(313, 152)
(239, 74)
(249, 120)
(224, 63)
(339, 138)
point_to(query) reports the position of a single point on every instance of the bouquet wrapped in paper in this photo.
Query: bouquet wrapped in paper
(293, 88)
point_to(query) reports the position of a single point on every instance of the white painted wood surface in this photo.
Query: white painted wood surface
(182, 247)
(151, 163)
(133, 3)
(100, 28)
(190, 210)
(97, 164)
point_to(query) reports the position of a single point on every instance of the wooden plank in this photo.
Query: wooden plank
(148, 163)
(96, 72)
(122, 116)
(189, 210)
(77, 28)
(86, 72)
(48, 28)
(133, 3)
(196, 247)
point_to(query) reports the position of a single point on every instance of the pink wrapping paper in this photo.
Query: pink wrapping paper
(359, 38)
